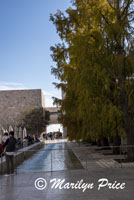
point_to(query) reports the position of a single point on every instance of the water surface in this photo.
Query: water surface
(52, 157)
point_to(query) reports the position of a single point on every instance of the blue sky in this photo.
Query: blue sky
(26, 35)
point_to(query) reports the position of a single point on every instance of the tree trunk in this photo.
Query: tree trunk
(116, 140)
(130, 139)
(129, 128)
(128, 124)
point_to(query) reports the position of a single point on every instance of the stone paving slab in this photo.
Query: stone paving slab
(21, 186)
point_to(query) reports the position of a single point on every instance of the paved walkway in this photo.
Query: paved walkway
(21, 186)
(93, 156)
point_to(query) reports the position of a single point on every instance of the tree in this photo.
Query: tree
(34, 120)
(95, 67)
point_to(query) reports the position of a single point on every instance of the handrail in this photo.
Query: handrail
(95, 147)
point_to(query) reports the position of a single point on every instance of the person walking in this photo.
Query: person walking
(9, 149)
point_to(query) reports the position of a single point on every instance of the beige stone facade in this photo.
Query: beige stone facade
(53, 112)
(13, 102)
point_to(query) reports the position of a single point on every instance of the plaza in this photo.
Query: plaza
(22, 184)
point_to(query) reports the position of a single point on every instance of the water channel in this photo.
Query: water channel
(52, 157)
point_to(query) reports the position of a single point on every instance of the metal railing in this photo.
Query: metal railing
(75, 157)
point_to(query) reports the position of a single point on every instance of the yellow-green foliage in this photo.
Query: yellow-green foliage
(94, 65)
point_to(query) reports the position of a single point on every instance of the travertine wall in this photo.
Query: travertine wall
(53, 112)
(13, 102)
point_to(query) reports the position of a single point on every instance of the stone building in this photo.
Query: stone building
(14, 102)
(54, 112)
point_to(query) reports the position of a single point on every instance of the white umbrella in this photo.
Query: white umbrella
(20, 133)
(10, 128)
(3, 130)
(24, 133)
(16, 132)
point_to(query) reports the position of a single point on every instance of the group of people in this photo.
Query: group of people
(52, 135)
(48, 135)
(28, 140)
(10, 144)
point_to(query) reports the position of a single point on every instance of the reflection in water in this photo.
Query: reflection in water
(52, 157)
